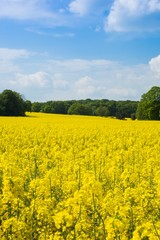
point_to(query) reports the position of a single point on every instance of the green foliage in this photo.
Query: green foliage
(58, 107)
(36, 107)
(124, 109)
(28, 106)
(133, 116)
(11, 104)
(79, 109)
(102, 111)
(97, 107)
(149, 105)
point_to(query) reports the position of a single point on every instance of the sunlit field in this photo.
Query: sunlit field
(74, 177)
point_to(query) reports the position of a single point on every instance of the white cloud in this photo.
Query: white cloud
(84, 81)
(38, 79)
(155, 66)
(75, 78)
(154, 5)
(22, 9)
(8, 56)
(59, 82)
(54, 13)
(97, 78)
(87, 7)
(11, 54)
(85, 87)
(7, 67)
(80, 7)
(121, 93)
(86, 92)
(124, 14)
(46, 12)
(90, 87)
(75, 65)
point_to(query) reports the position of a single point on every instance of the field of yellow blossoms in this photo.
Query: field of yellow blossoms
(74, 177)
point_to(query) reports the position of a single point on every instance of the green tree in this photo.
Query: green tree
(133, 116)
(60, 107)
(11, 104)
(80, 109)
(36, 107)
(28, 106)
(2, 106)
(112, 107)
(102, 111)
(124, 109)
(149, 105)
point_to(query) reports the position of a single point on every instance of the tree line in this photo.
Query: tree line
(148, 108)
(103, 107)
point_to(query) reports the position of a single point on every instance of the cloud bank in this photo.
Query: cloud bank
(113, 15)
(75, 78)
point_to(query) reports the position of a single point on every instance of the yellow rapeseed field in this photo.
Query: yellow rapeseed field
(75, 177)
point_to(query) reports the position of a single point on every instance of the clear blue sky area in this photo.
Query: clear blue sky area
(77, 49)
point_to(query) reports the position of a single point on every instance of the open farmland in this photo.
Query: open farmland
(75, 177)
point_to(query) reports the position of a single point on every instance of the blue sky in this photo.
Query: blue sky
(77, 49)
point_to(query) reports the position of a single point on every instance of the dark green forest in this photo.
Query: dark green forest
(148, 108)
(103, 108)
